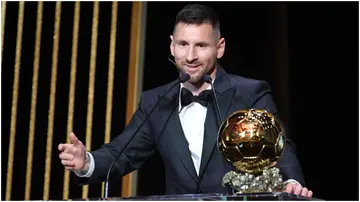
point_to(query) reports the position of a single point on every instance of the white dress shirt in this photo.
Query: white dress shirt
(192, 118)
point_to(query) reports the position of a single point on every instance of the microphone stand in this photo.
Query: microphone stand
(208, 80)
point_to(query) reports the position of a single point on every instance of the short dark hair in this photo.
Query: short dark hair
(197, 14)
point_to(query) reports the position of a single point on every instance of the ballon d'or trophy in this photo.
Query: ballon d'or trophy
(252, 141)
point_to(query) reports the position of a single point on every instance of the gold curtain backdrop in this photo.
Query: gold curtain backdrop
(69, 66)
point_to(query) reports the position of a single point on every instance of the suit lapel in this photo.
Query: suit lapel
(224, 94)
(210, 134)
(170, 117)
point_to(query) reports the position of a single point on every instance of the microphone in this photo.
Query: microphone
(183, 78)
(208, 80)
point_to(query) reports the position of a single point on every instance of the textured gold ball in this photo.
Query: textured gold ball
(251, 140)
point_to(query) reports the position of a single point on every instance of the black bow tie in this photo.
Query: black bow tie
(187, 97)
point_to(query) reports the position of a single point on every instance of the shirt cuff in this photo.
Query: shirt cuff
(91, 168)
(291, 180)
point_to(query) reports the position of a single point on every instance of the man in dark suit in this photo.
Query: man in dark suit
(181, 128)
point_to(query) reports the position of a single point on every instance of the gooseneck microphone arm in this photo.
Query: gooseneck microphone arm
(208, 80)
(183, 78)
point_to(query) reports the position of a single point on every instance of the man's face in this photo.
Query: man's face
(195, 49)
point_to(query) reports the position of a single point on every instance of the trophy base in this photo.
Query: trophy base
(269, 181)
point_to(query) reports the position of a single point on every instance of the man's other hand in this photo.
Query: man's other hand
(295, 188)
(72, 155)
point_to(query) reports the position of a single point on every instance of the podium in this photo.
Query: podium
(273, 196)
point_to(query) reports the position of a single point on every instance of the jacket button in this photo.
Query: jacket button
(198, 191)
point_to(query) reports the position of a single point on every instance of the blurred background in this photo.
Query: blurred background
(71, 66)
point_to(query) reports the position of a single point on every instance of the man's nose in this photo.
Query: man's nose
(191, 55)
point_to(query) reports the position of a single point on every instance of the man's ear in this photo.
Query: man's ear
(172, 45)
(220, 48)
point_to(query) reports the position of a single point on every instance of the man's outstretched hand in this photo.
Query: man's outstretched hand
(72, 155)
(295, 188)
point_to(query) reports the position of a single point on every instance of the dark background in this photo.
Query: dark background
(307, 51)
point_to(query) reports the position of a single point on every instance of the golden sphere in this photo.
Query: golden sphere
(251, 140)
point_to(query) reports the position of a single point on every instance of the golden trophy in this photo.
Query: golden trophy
(252, 141)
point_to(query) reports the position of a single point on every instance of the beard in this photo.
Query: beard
(195, 77)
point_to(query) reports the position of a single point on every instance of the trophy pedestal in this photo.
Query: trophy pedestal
(244, 183)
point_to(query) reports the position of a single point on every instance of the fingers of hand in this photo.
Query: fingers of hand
(298, 189)
(60, 147)
(70, 168)
(294, 188)
(290, 188)
(67, 148)
(66, 156)
(304, 191)
(68, 163)
(73, 138)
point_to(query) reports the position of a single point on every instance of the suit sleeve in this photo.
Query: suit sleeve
(288, 163)
(134, 156)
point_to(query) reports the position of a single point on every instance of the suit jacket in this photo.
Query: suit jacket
(163, 132)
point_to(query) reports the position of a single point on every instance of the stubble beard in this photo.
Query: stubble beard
(197, 78)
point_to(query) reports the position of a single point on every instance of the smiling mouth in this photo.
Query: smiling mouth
(193, 66)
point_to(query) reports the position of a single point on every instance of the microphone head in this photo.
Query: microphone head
(207, 78)
(184, 77)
